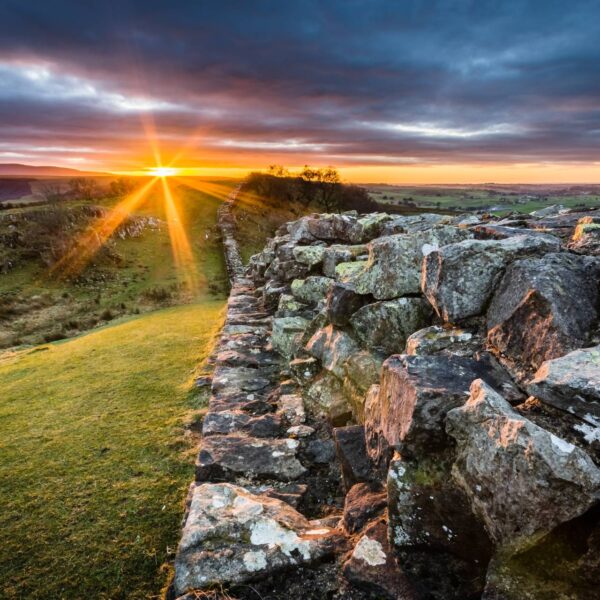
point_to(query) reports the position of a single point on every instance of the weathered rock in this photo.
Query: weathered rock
(535, 314)
(565, 564)
(320, 451)
(347, 272)
(459, 278)
(550, 481)
(233, 536)
(412, 223)
(436, 339)
(291, 407)
(586, 237)
(378, 449)
(327, 227)
(287, 333)
(415, 394)
(442, 546)
(361, 370)
(372, 566)
(342, 303)
(571, 383)
(242, 378)
(225, 422)
(304, 370)
(311, 256)
(325, 397)
(272, 291)
(286, 270)
(332, 347)
(394, 265)
(311, 290)
(363, 502)
(548, 211)
(385, 326)
(290, 307)
(223, 457)
(300, 431)
(336, 254)
(373, 224)
(352, 454)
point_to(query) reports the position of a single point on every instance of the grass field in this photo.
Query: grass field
(94, 456)
(498, 199)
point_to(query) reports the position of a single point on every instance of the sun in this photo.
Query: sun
(163, 171)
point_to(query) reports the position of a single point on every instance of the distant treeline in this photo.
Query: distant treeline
(319, 187)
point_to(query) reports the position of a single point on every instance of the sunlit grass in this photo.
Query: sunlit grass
(94, 463)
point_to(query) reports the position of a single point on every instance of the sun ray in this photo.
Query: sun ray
(183, 256)
(96, 235)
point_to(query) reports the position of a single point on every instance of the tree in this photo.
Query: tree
(83, 188)
(122, 186)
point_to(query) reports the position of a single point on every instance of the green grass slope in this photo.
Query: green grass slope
(94, 456)
(36, 307)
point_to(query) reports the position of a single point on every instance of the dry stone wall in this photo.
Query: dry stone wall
(405, 407)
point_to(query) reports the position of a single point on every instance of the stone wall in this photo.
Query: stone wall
(405, 407)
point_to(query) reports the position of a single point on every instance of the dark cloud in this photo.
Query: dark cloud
(351, 80)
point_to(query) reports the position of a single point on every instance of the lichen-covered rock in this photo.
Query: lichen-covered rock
(290, 307)
(325, 397)
(342, 303)
(571, 383)
(287, 333)
(394, 265)
(311, 256)
(346, 272)
(233, 536)
(332, 347)
(450, 340)
(522, 480)
(586, 237)
(543, 308)
(373, 224)
(227, 456)
(459, 279)
(362, 370)
(415, 394)
(385, 326)
(311, 290)
(336, 254)
(372, 566)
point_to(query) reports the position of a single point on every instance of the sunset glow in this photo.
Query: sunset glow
(387, 94)
(163, 171)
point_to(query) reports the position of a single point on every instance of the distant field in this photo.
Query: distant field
(95, 459)
(497, 199)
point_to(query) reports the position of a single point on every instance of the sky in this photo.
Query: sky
(387, 91)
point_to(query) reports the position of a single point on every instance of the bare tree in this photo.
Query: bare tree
(51, 191)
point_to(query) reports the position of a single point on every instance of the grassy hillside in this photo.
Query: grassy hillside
(94, 458)
(134, 275)
(258, 218)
